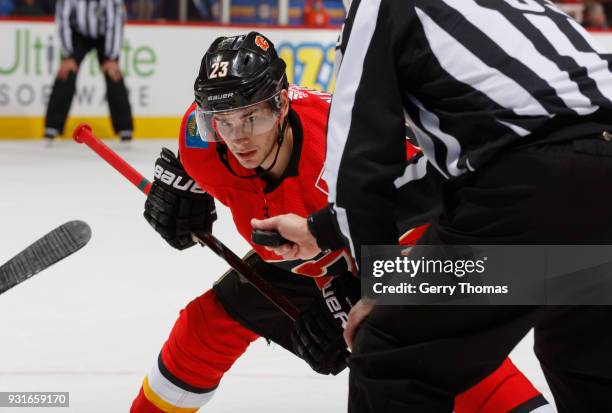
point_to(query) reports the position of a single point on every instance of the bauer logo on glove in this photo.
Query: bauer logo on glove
(176, 205)
(176, 181)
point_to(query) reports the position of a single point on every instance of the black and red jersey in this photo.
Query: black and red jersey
(300, 190)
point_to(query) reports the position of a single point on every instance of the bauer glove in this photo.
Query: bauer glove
(176, 205)
(317, 333)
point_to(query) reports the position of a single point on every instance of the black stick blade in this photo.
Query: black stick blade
(46, 251)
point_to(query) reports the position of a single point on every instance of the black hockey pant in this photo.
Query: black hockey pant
(63, 91)
(417, 358)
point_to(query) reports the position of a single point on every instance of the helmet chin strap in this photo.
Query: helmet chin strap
(279, 141)
(259, 171)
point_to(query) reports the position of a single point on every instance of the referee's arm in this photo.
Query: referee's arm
(63, 11)
(366, 149)
(113, 35)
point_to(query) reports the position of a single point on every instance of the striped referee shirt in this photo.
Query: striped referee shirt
(471, 77)
(92, 19)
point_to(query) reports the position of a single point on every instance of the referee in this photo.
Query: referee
(86, 25)
(511, 103)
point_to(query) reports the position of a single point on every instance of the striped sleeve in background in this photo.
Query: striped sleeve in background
(113, 35)
(91, 18)
(471, 77)
(63, 11)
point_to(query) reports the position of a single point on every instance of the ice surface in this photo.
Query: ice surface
(93, 323)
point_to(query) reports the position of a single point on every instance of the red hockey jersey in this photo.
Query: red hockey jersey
(301, 190)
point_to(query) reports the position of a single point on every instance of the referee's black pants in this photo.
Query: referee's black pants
(417, 358)
(63, 91)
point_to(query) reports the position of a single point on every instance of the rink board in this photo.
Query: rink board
(159, 63)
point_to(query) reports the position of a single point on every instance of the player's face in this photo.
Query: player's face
(250, 133)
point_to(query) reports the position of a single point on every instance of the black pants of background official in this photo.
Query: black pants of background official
(63, 91)
(416, 359)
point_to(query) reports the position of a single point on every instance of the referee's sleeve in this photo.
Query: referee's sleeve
(63, 10)
(113, 36)
(366, 159)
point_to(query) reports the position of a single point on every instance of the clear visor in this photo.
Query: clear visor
(235, 124)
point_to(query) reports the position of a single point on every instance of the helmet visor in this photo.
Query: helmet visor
(234, 124)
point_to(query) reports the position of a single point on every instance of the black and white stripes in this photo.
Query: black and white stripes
(472, 77)
(92, 19)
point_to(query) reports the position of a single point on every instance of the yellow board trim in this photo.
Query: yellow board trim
(161, 403)
(32, 127)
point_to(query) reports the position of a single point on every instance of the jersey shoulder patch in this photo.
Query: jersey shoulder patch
(192, 135)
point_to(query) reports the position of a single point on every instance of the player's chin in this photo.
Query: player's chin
(250, 160)
(249, 164)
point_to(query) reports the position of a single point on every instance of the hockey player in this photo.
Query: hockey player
(257, 145)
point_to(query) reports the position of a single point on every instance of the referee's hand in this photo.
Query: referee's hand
(111, 68)
(358, 313)
(68, 65)
(295, 229)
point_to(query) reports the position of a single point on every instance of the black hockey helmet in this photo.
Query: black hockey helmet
(237, 72)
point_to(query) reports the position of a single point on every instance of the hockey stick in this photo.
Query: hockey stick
(84, 134)
(46, 251)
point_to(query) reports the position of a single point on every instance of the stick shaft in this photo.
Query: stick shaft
(84, 134)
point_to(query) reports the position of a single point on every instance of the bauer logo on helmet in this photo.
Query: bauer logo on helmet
(220, 97)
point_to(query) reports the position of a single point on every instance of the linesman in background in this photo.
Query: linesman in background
(511, 104)
(86, 25)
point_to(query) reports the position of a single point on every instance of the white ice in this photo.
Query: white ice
(93, 324)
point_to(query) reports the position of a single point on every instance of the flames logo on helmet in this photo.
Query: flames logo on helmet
(262, 43)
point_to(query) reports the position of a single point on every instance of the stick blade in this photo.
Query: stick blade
(46, 251)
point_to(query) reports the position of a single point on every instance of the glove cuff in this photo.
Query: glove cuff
(323, 225)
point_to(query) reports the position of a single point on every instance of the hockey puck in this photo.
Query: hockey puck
(268, 238)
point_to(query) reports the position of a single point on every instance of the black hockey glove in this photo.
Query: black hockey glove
(317, 333)
(176, 205)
